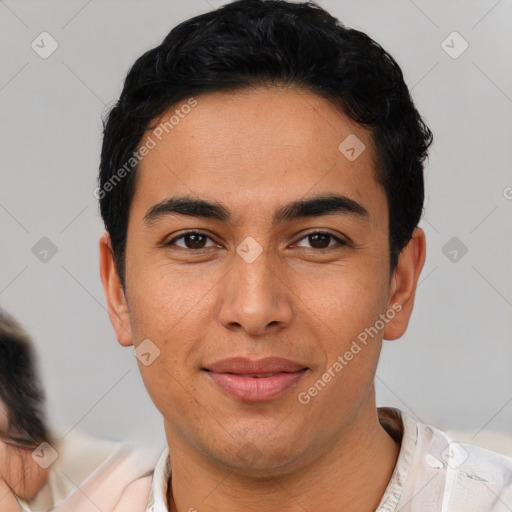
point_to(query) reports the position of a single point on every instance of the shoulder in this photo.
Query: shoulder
(471, 477)
(112, 476)
(462, 455)
(436, 472)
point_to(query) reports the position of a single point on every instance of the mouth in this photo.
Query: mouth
(255, 381)
(255, 375)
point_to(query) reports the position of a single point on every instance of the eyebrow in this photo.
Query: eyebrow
(311, 207)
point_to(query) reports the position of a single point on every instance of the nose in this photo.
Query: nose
(255, 298)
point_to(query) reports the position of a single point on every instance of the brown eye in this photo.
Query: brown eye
(191, 240)
(320, 240)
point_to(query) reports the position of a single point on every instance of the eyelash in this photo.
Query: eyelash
(188, 233)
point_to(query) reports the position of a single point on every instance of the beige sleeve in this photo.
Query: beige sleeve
(120, 480)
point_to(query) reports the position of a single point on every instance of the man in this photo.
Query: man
(261, 184)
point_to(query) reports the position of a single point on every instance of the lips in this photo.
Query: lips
(256, 375)
(255, 380)
(246, 366)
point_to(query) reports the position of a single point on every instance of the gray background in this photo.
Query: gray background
(451, 369)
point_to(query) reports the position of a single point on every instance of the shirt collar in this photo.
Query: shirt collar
(396, 422)
(157, 501)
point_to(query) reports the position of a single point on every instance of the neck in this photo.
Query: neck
(8, 502)
(352, 474)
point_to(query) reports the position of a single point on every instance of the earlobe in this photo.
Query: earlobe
(117, 306)
(404, 283)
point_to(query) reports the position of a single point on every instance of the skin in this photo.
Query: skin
(255, 151)
(20, 475)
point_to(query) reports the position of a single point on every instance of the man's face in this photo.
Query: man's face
(303, 298)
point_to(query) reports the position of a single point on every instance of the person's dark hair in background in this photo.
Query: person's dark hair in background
(297, 45)
(22, 419)
(21, 393)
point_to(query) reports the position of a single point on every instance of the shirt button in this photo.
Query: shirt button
(432, 462)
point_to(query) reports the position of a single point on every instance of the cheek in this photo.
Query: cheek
(160, 300)
(339, 309)
(342, 299)
(172, 314)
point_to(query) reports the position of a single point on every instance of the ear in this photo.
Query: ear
(117, 305)
(404, 283)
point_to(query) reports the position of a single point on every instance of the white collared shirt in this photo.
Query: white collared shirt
(433, 474)
(157, 501)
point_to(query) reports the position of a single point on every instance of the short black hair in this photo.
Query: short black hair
(20, 388)
(248, 43)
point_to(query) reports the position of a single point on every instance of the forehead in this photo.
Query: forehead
(257, 147)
